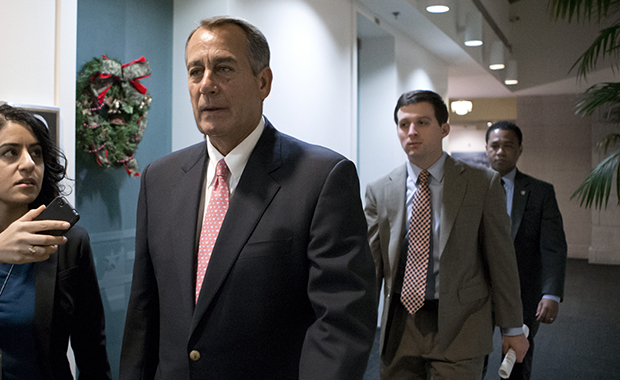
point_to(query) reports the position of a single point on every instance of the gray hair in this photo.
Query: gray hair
(258, 47)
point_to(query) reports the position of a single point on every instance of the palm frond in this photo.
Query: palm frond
(598, 95)
(611, 139)
(596, 188)
(582, 9)
(607, 44)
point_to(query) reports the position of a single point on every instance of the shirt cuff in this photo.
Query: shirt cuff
(512, 331)
(552, 297)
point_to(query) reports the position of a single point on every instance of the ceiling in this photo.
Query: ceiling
(545, 49)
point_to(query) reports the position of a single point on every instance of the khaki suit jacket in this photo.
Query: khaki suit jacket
(477, 264)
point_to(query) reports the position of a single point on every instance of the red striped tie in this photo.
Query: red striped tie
(216, 211)
(418, 250)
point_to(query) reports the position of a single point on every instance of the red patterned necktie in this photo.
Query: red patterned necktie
(418, 250)
(216, 211)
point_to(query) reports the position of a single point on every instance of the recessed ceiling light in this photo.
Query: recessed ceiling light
(461, 107)
(437, 9)
(437, 6)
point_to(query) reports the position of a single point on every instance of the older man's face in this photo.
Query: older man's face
(226, 96)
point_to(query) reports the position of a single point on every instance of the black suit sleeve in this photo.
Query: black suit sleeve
(78, 312)
(341, 285)
(553, 247)
(140, 349)
(374, 237)
(88, 338)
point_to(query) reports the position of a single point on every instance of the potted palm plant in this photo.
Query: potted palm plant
(596, 188)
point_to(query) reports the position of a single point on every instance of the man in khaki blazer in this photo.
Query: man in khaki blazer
(472, 265)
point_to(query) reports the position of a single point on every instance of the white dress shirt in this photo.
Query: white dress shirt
(236, 160)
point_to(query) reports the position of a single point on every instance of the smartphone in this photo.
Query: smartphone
(58, 209)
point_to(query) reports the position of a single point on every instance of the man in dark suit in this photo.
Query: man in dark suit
(537, 233)
(288, 291)
(469, 261)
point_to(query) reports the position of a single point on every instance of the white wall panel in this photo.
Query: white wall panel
(28, 51)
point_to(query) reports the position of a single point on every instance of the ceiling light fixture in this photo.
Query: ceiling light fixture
(496, 60)
(473, 29)
(511, 73)
(437, 6)
(461, 107)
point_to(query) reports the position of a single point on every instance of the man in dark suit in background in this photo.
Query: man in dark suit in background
(469, 261)
(278, 281)
(537, 233)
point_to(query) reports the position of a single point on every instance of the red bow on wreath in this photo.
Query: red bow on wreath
(129, 74)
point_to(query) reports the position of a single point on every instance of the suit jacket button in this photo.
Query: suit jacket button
(194, 355)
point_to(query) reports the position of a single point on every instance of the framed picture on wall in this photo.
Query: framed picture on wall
(473, 158)
(49, 115)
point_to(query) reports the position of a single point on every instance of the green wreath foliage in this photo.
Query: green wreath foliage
(111, 111)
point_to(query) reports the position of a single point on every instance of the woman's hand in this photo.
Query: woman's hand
(20, 243)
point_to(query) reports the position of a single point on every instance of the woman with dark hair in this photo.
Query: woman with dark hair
(48, 284)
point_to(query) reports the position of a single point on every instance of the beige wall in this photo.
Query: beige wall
(557, 148)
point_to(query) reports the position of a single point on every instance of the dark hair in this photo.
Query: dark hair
(55, 171)
(258, 47)
(505, 126)
(419, 96)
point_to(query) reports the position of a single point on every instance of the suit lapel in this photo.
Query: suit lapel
(454, 188)
(252, 196)
(184, 218)
(519, 199)
(395, 199)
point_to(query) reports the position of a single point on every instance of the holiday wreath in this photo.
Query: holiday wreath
(112, 106)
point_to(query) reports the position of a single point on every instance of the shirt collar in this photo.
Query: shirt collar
(436, 170)
(237, 158)
(510, 177)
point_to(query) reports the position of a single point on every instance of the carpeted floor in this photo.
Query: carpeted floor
(583, 344)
